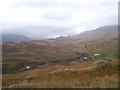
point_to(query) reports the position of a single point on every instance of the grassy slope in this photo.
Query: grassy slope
(76, 74)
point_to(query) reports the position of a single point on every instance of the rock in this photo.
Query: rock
(101, 62)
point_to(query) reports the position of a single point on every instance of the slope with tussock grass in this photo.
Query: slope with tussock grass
(103, 76)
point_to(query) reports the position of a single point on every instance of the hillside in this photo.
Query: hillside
(98, 41)
(16, 55)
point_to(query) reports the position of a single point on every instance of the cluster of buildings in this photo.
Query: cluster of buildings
(85, 56)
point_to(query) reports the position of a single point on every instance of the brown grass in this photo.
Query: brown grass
(66, 76)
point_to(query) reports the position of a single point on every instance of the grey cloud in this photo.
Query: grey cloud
(41, 31)
(51, 31)
(47, 4)
(35, 4)
(73, 5)
(57, 16)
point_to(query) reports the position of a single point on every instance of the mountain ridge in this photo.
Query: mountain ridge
(14, 38)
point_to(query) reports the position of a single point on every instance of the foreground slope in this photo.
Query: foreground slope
(75, 74)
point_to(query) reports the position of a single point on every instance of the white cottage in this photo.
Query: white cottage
(27, 67)
(96, 54)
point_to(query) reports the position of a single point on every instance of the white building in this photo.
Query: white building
(85, 58)
(96, 54)
(27, 67)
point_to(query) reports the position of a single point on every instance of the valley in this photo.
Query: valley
(55, 63)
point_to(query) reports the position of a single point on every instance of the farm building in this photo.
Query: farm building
(96, 54)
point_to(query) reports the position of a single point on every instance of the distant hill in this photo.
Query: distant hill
(14, 38)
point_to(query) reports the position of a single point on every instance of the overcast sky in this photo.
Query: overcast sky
(53, 18)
